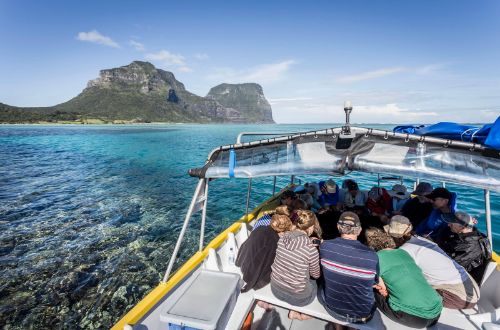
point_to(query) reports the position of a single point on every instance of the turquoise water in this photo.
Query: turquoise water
(89, 214)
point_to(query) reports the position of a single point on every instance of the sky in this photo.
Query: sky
(397, 61)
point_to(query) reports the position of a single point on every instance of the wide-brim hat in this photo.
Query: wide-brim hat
(423, 188)
(399, 191)
(459, 217)
(398, 226)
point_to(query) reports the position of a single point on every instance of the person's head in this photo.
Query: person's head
(308, 199)
(331, 186)
(399, 228)
(352, 187)
(399, 191)
(375, 193)
(460, 222)
(349, 224)
(298, 204)
(281, 223)
(284, 210)
(422, 189)
(378, 239)
(306, 221)
(440, 197)
(287, 197)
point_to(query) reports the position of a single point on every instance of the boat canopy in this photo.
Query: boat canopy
(343, 149)
(487, 135)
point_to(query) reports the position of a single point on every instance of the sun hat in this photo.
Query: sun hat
(399, 191)
(459, 217)
(423, 188)
(439, 193)
(398, 226)
(349, 219)
(331, 186)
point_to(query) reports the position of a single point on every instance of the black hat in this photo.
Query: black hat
(439, 193)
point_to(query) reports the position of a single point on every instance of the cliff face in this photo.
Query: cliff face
(140, 92)
(247, 98)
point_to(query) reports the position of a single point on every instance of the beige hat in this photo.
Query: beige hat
(331, 186)
(398, 226)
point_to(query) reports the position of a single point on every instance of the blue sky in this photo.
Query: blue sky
(397, 61)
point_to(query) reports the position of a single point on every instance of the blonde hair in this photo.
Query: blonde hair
(306, 219)
(283, 210)
(378, 239)
(281, 223)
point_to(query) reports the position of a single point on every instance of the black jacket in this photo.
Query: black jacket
(256, 256)
(471, 250)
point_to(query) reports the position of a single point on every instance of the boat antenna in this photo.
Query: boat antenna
(347, 109)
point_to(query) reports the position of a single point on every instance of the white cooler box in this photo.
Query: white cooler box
(205, 303)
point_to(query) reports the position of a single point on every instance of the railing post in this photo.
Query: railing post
(249, 189)
(203, 217)
(183, 230)
(274, 185)
(488, 216)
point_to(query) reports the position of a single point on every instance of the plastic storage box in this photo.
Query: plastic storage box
(206, 302)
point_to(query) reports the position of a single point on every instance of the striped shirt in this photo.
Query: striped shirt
(350, 270)
(265, 220)
(296, 260)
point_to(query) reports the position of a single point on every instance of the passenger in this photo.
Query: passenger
(466, 245)
(379, 204)
(411, 301)
(329, 197)
(445, 275)
(257, 253)
(419, 208)
(308, 199)
(352, 196)
(313, 189)
(443, 202)
(265, 220)
(399, 196)
(295, 263)
(287, 198)
(350, 271)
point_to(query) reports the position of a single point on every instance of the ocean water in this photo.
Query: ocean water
(89, 215)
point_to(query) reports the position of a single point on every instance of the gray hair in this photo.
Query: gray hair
(349, 230)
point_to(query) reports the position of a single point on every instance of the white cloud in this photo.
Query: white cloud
(201, 57)
(137, 45)
(265, 73)
(168, 59)
(371, 75)
(95, 37)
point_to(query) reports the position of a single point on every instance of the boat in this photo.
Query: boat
(204, 293)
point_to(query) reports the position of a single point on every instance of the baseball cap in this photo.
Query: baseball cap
(423, 188)
(439, 193)
(331, 186)
(460, 217)
(349, 218)
(398, 226)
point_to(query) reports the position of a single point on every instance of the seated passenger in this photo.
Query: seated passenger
(399, 197)
(350, 270)
(419, 208)
(445, 275)
(329, 197)
(443, 202)
(313, 189)
(466, 245)
(352, 196)
(379, 204)
(265, 220)
(308, 199)
(296, 262)
(257, 253)
(411, 301)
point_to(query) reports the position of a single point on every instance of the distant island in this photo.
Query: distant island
(141, 93)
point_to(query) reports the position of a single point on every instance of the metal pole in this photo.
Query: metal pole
(249, 189)
(488, 216)
(274, 185)
(183, 230)
(203, 217)
(292, 179)
(443, 184)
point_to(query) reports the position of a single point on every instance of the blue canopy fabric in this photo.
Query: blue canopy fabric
(487, 135)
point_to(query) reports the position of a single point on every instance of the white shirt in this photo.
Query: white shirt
(437, 267)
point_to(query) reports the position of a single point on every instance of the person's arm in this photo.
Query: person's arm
(314, 269)
(381, 288)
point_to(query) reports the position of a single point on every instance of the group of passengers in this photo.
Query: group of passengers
(409, 255)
